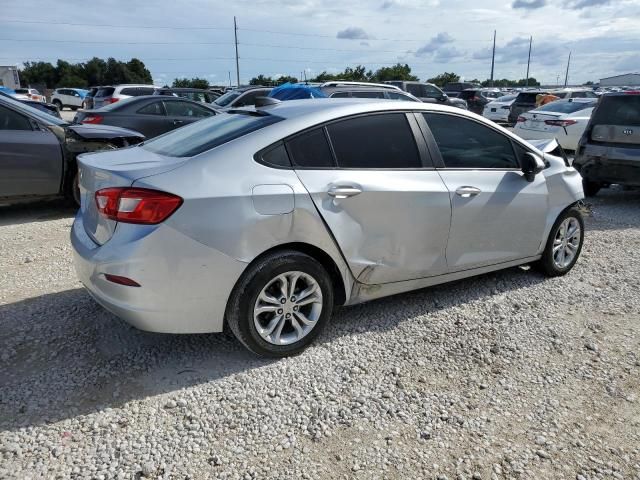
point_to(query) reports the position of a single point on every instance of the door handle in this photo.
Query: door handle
(178, 122)
(467, 192)
(344, 191)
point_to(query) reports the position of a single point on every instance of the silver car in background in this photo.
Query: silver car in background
(264, 219)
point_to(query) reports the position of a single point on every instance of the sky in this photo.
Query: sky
(189, 38)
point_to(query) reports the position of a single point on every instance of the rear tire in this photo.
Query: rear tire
(58, 104)
(265, 315)
(590, 188)
(563, 245)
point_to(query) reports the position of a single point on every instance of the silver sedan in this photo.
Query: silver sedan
(265, 219)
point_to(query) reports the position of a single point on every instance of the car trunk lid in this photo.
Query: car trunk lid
(536, 121)
(119, 168)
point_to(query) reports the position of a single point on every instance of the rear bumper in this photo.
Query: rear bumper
(605, 164)
(184, 284)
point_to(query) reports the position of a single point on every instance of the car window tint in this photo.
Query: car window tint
(208, 133)
(340, 95)
(105, 92)
(154, 108)
(310, 150)
(375, 141)
(431, 92)
(276, 156)
(186, 109)
(10, 120)
(467, 144)
(618, 110)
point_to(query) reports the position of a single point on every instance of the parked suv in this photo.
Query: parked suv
(241, 97)
(609, 149)
(477, 98)
(68, 97)
(428, 93)
(106, 95)
(339, 89)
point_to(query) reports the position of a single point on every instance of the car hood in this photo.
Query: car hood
(103, 131)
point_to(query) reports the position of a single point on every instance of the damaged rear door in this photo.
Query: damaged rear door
(371, 178)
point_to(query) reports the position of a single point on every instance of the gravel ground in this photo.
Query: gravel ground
(508, 375)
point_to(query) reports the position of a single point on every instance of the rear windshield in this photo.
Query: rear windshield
(227, 98)
(105, 92)
(618, 110)
(208, 133)
(467, 94)
(562, 106)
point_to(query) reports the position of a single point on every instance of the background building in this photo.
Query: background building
(626, 80)
(9, 76)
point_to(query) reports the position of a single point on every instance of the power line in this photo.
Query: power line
(150, 27)
(111, 42)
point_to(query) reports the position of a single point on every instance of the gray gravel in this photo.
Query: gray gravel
(509, 375)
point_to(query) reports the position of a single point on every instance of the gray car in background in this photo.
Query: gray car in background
(241, 97)
(38, 151)
(264, 219)
(151, 115)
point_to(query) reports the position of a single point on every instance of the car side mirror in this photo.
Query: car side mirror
(443, 97)
(532, 165)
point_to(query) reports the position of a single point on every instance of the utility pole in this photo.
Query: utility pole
(235, 34)
(229, 78)
(493, 57)
(566, 76)
(526, 82)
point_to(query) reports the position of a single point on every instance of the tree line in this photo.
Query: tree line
(85, 74)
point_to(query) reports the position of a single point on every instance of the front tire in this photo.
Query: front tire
(564, 244)
(58, 104)
(280, 304)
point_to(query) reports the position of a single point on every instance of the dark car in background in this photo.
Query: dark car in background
(477, 98)
(428, 93)
(241, 97)
(151, 115)
(195, 94)
(453, 89)
(38, 151)
(609, 149)
(524, 102)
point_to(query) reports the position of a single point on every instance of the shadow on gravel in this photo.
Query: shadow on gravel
(40, 211)
(614, 209)
(63, 356)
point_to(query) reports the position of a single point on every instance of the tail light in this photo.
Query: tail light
(521, 119)
(126, 281)
(111, 100)
(92, 119)
(560, 123)
(136, 205)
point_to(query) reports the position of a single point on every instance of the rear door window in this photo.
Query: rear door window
(367, 94)
(467, 144)
(375, 141)
(311, 150)
(10, 120)
(154, 108)
(414, 89)
(186, 109)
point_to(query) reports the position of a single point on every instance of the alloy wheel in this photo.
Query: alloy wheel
(288, 308)
(566, 243)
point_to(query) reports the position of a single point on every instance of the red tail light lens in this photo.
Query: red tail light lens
(111, 100)
(521, 119)
(126, 281)
(92, 119)
(560, 123)
(136, 205)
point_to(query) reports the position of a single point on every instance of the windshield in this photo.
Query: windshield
(506, 98)
(227, 98)
(563, 106)
(208, 133)
(34, 112)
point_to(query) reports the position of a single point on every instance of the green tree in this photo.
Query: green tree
(38, 73)
(139, 73)
(396, 72)
(72, 81)
(444, 78)
(94, 71)
(261, 80)
(285, 79)
(191, 83)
